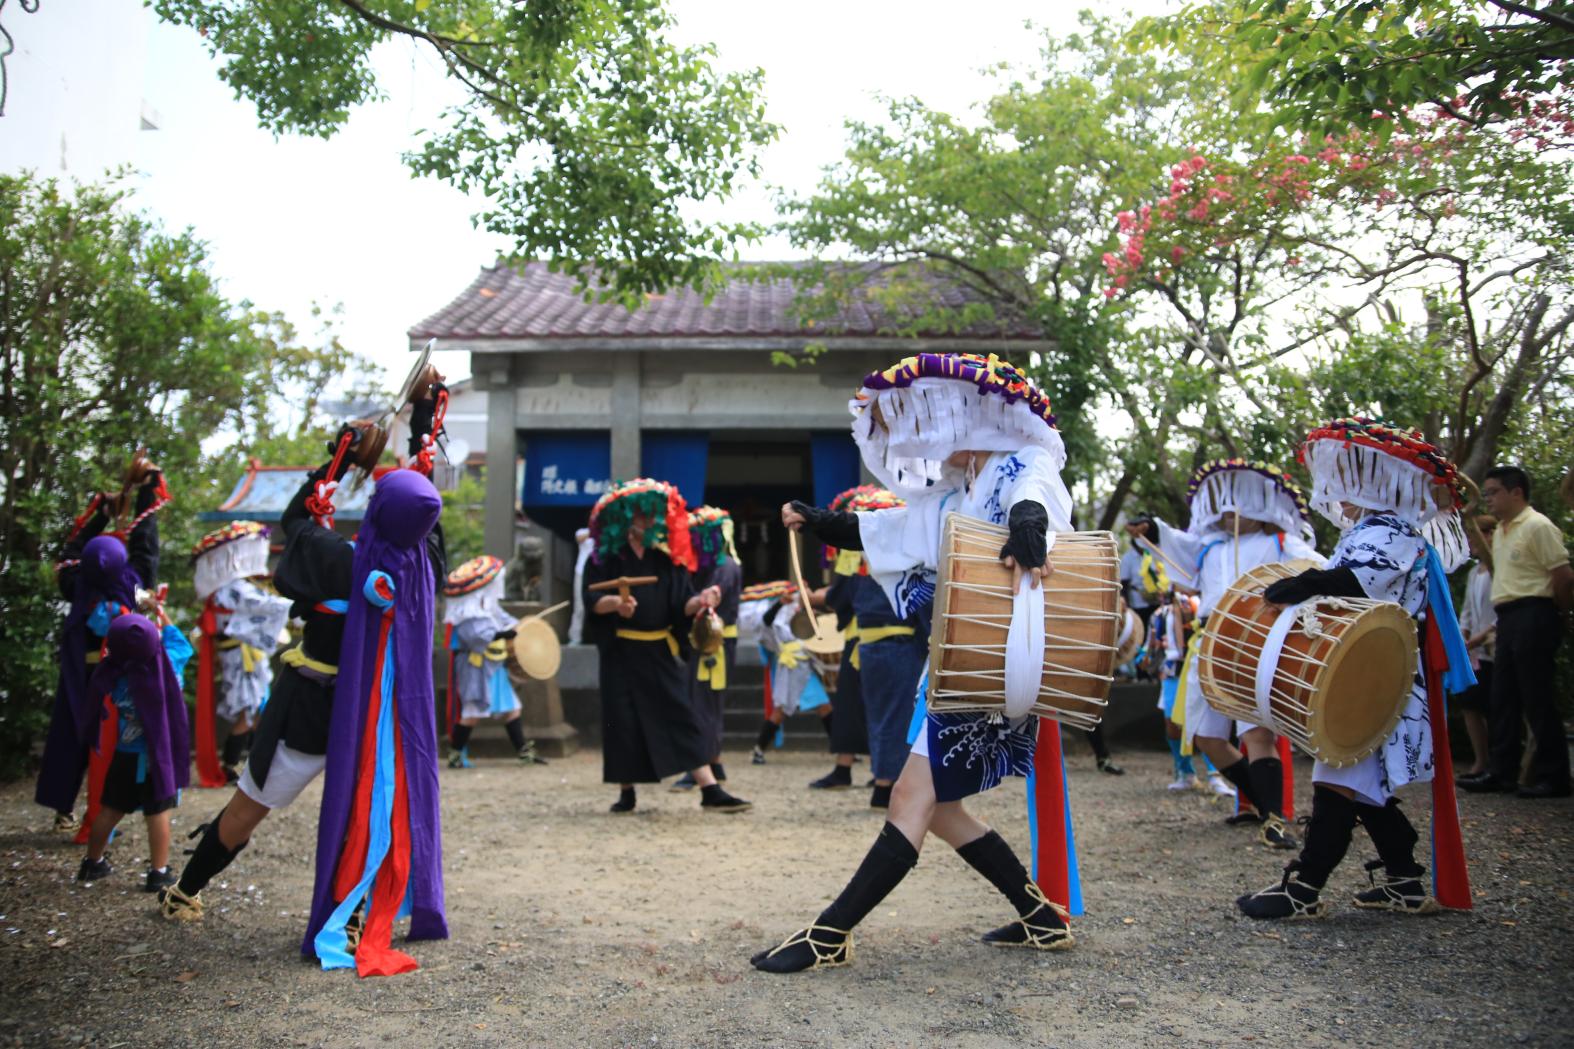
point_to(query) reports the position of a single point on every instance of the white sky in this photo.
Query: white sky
(341, 221)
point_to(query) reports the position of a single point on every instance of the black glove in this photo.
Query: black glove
(149, 490)
(838, 528)
(505, 635)
(1314, 582)
(1029, 524)
(423, 414)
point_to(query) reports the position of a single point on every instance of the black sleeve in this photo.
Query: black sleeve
(1315, 582)
(296, 513)
(1029, 524)
(837, 528)
(142, 545)
(423, 414)
(65, 579)
(437, 550)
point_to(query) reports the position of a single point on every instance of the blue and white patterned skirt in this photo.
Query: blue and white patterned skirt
(970, 753)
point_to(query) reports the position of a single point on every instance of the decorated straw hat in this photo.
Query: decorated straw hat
(472, 575)
(662, 503)
(1253, 490)
(710, 534)
(773, 591)
(537, 650)
(863, 497)
(1381, 467)
(911, 417)
(239, 550)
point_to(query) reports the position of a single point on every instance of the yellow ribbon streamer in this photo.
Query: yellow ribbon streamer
(1178, 712)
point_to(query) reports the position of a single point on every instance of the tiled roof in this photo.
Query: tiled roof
(504, 303)
(263, 492)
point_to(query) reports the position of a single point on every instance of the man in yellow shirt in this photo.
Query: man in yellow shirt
(1532, 586)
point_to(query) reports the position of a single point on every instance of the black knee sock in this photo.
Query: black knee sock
(234, 746)
(767, 733)
(1240, 778)
(883, 868)
(993, 858)
(207, 860)
(1267, 776)
(461, 736)
(516, 733)
(1096, 741)
(825, 723)
(1393, 836)
(1327, 835)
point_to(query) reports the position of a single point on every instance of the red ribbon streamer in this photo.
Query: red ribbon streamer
(209, 772)
(1049, 797)
(98, 767)
(1450, 873)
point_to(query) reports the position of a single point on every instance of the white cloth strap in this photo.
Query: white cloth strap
(1025, 645)
(1268, 661)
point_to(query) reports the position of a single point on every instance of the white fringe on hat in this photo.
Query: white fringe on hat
(227, 562)
(485, 603)
(1383, 483)
(1248, 494)
(918, 427)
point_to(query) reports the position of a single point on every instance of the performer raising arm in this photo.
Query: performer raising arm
(948, 433)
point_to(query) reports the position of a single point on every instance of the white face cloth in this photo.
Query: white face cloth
(485, 603)
(236, 559)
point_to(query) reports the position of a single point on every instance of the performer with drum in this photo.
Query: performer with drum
(111, 552)
(1243, 514)
(477, 632)
(315, 571)
(710, 535)
(948, 433)
(1397, 500)
(641, 601)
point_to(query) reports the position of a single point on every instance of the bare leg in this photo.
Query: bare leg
(954, 825)
(240, 820)
(98, 834)
(1219, 751)
(1476, 729)
(1259, 743)
(158, 840)
(913, 801)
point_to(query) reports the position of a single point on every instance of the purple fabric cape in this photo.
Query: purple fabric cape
(403, 509)
(103, 575)
(136, 652)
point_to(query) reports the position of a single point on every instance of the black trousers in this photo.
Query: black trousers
(1524, 690)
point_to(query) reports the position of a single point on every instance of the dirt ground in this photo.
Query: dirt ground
(574, 927)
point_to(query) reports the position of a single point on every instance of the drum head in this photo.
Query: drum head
(827, 640)
(1366, 686)
(537, 650)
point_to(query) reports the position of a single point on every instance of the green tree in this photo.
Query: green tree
(114, 336)
(589, 131)
(1018, 204)
(1331, 65)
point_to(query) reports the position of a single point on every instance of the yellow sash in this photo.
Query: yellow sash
(791, 655)
(92, 657)
(1178, 712)
(713, 668)
(652, 635)
(730, 631)
(250, 658)
(497, 651)
(869, 635)
(297, 657)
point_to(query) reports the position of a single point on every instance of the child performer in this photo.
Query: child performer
(99, 573)
(1396, 498)
(141, 672)
(478, 632)
(1242, 515)
(885, 654)
(640, 529)
(240, 626)
(710, 536)
(948, 433)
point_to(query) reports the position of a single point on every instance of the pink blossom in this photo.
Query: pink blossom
(1329, 155)
(1110, 293)
(1127, 220)
(1178, 170)
(1294, 260)
(1296, 158)
(1120, 281)
(1145, 211)
(1197, 163)
(1175, 254)
(1177, 188)
(1199, 213)
(1358, 163)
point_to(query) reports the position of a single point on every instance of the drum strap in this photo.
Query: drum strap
(652, 635)
(1268, 661)
(1025, 647)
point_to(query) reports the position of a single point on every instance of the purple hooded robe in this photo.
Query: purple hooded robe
(136, 652)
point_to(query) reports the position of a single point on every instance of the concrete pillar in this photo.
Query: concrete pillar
(502, 448)
(625, 415)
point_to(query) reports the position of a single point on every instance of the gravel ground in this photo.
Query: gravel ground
(573, 927)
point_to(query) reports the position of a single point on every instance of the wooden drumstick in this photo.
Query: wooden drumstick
(1154, 549)
(546, 611)
(797, 577)
(622, 584)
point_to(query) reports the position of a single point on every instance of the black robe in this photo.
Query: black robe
(648, 726)
(849, 722)
(710, 704)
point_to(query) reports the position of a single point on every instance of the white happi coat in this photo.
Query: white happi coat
(255, 618)
(1388, 557)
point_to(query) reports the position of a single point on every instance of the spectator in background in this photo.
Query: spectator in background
(1140, 598)
(1532, 584)
(1478, 622)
